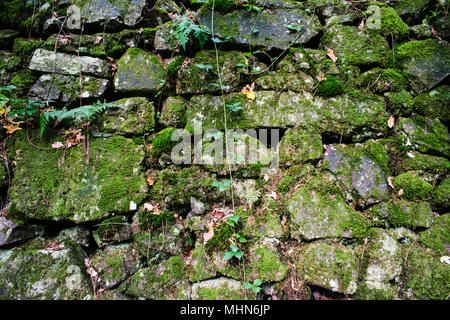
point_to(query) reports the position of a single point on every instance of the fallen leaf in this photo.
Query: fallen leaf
(57, 145)
(321, 77)
(12, 127)
(148, 206)
(248, 91)
(266, 177)
(330, 53)
(400, 192)
(361, 26)
(389, 179)
(208, 235)
(391, 121)
(272, 195)
(98, 39)
(150, 181)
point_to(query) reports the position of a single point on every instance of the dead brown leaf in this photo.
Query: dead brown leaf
(208, 235)
(330, 53)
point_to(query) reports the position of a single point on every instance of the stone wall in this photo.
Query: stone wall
(356, 210)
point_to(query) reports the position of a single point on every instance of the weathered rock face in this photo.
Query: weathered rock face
(90, 191)
(48, 61)
(360, 175)
(135, 116)
(425, 135)
(429, 63)
(271, 109)
(11, 232)
(334, 182)
(367, 48)
(66, 89)
(219, 289)
(329, 266)
(139, 72)
(114, 265)
(110, 13)
(315, 216)
(199, 75)
(267, 28)
(384, 262)
(160, 282)
(57, 272)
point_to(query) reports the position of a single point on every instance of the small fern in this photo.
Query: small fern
(251, 196)
(185, 28)
(79, 115)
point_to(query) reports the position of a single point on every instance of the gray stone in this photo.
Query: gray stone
(139, 72)
(65, 89)
(48, 61)
(11, 232)
(173, 112)
(197, 207)
(79, 235)
(431, 66)
(135, 116)
(330, 266)
(266, 28)
(114, 264)
(219, 289)
(315, 215)
(360, 175)
(44, 269)
(111, 13)
(7, 38)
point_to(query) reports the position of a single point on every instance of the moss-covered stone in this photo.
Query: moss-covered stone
(220, 289)
(57, 271)
(429, 168)
(413, 188)
(427, 62)
(383, 80)
(135, 116)
(173, 112)
(45, 187)
(24, 48)
(165, 281)
(114, 264)
(434, 104)
(330, 87)
(383, 262)
(392, 24)
(425, 135)
(441, 195)
(356, 116)
(424, 276)
(319, 211)
(112, 230)
(23, 80)
(329, 266)
(412, 215)
(265, 262)
(359, 169)
(200, 265)
(139, 72)
(438, 236)
(368, 48)
(400, 103)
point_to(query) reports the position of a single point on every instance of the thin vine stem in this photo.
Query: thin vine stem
(223, 105)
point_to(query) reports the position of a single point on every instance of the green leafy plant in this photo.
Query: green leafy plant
(235, 252)
(80, 115)
(255, 286)
(185, 28)
(233, 220)
(251, 197)
(234, 107)
(206, 67)
(252, 7)
(222, 185)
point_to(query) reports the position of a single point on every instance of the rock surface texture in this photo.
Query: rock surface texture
(264, 149)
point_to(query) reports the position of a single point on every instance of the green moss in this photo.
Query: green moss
(330, 87)
(162, 142)
(422, 49)
(150, 220)
(413, 188)
(424, 275)
(23, 80)
(408, 214)
(392, 24)
(383, 80)
(220, 241)
(25, 48)
(434, 104)
(438, 236)
(400, 103)
(441, 195)
(108, 184)
(12, 12)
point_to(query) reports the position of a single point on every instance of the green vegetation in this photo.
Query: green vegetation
(330, 87)
(413, 188)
